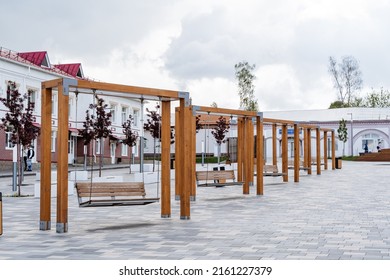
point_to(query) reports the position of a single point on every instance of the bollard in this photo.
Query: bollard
(1, 214)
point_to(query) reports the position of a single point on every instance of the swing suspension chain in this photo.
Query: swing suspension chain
(208, 145)
(90, 189)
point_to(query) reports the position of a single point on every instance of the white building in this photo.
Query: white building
(369, 126)
(29, 70)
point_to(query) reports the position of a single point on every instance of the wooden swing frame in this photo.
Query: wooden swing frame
(66, 85)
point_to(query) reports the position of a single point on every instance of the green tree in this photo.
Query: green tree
(245, 78)
(342, 132)
(376, 99)
(347, 79)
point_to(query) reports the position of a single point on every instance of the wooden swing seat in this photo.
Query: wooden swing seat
(217, 178)
(272, 171)
(301, 165)
(100, 194)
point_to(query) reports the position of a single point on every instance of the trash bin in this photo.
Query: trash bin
(1, 213)
(338, 162)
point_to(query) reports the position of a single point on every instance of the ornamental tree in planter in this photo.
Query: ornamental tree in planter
(131, 136)
(219, 132)
(18, 121)
(343, 133)
(96, 126)
(153, 125)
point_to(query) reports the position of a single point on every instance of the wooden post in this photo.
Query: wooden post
(325, 149)
(305, 148)
(178, 153)
(285, 152)
(333, 151)
(318, 150)
(296, 153)
(252, 151)
(259, 155)
(240, 148)
(193, 147)
(165, 159)
(309, 171)
(187, 163)
(45, 192)
(62, 164)
(248, 154)
(274, 144)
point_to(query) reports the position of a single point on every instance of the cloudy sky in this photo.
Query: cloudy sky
(192, 45)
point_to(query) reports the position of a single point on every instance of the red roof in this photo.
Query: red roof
(37, 58)
(73, 69)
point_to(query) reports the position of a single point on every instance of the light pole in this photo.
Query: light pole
(351, 137)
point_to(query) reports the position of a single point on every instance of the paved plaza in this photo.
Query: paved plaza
(341, 214)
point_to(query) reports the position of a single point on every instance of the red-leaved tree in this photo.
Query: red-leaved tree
(18, 121)
(153, 125)
(97, 126)
(131, 136)
(219, 132)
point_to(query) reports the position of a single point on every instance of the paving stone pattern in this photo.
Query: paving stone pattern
(341, 214)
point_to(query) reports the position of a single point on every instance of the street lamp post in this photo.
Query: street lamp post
(351, 137)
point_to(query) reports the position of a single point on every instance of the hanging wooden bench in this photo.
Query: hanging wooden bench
(217, 178)
(301, 167)
(97, 194)
(272, 170)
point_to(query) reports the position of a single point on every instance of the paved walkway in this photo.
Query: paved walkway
(341, 214)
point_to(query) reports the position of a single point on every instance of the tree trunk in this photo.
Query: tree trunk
(19, 171)
(219, 153)
(130, 159)
(154, 151)
(85, 157)
(101, 157)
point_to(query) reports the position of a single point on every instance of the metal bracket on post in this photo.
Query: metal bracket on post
(67, 82)
(195, 108)
(261, 115)
(186, 96)
(44, 225)
(61, 227)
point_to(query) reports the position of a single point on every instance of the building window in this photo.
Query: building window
(134, 150)
(70, 109)
(32, 98)
(113, 113)
(136, 117)
(8, 144)
(124, 114)
(98, 146)
(53, 141)
(54, 104)
(124, 149)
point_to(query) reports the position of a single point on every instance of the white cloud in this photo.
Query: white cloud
(193, 45)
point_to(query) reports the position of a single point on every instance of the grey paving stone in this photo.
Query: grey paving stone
(342, 214)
